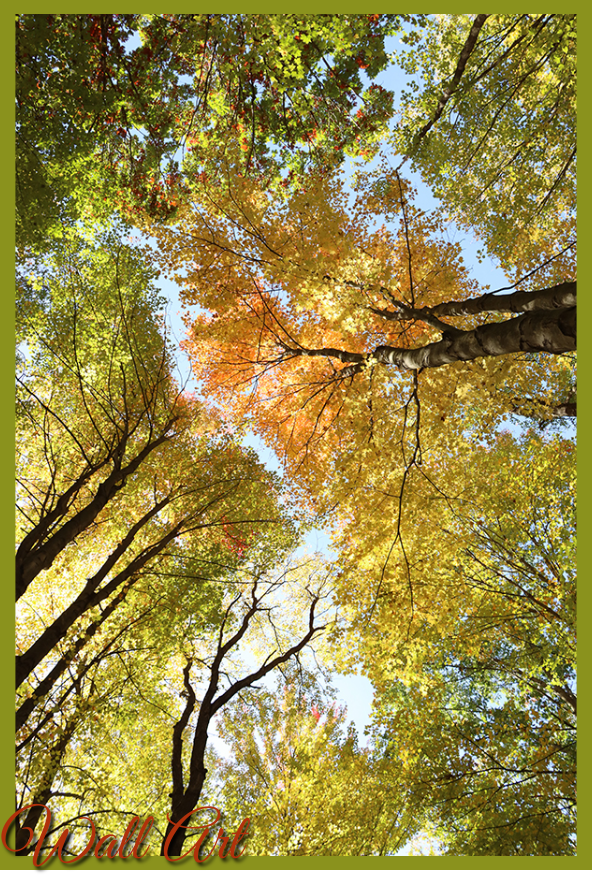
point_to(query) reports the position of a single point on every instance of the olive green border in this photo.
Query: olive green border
(7, 430)
(342, 863)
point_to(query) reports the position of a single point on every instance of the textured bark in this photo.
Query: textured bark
(561, 296)
(569, 409)
(540, 331)
(567, 696)
(552, 331)
(543, 410)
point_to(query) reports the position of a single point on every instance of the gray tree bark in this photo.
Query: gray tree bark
(541, 331)
(550, 330)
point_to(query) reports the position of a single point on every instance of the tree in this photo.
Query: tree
(497, 777)
(477, 700)
(254, 603)
(300, 774)
(126, 495)
(138, 758)
(492, 125)
(100, 124)
(336, 337)
(342, 327)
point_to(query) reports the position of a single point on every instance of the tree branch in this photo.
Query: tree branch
(449, 90)
(544, 331)
(562, 295)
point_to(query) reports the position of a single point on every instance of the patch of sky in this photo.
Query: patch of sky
(396, 80)
(134, 41)
(265, 454)
(355, 691)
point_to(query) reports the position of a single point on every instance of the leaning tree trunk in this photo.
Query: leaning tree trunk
(548, 328)
(43, 792)
(541, 331)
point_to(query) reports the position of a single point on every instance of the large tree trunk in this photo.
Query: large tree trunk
(563, 295)
(546, 324)
(549, 331)
(543, 410)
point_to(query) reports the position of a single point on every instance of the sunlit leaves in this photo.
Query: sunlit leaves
(292, 292)
(134, 517)
(502, 155)
(310, 788)
(323, 317)
(476, 679)
(105, 123)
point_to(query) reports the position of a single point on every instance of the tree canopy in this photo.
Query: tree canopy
(101, 119)
(424, 420)
(492, 126)
(130, 506)
(310, 788)
(331, 333)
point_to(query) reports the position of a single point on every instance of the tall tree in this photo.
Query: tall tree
(476, 695)
(103, 122)
(126, 496)
(173, 670)
(337, 337)
(242, 614)
(489, 120)
(341, 326)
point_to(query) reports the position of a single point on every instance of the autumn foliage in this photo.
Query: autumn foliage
(420, 417)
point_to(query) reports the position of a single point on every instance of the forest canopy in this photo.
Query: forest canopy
(305, 185)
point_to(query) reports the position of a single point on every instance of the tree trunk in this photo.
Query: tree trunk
(31, 560)
(185, 805)
(186, 800)
(561, 296)
(552, 331)
(61, 665)
(450, 89)
(87, 599)
(543, 410)
(183, 802)
(548, 329)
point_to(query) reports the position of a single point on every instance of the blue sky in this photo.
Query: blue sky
(355, 691)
